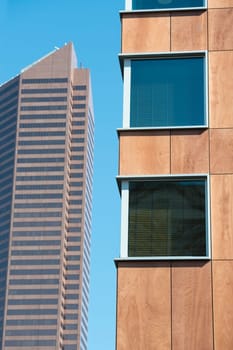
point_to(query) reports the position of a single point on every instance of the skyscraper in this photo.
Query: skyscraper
(174, 274)
(46, 153)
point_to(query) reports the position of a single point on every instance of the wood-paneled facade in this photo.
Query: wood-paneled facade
(183, 305)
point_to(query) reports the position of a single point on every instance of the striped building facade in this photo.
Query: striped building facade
(46, 150)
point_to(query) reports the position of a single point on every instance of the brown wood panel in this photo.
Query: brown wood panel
(143, 307)
(223, 304)
(189, 151)
(145, 32)
(220, 3)
(221, 89)
(220, 29)
(191, 306)
(222, 216)
(144, 152)
(194, 37)
(221, 151)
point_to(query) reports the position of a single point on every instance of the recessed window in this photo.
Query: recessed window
(167, 217)
(168, 91)
(166, 4)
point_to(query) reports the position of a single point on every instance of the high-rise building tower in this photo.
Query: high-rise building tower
(175, 271)
(46, 154)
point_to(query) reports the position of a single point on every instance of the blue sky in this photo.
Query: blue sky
(29, 29)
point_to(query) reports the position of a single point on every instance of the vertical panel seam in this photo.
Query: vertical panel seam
(212, 296)
(170, 31)
(210, 194)
(171, 301)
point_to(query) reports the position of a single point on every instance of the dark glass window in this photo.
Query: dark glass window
(74, 239)
(36, 223)
(76, 184)
(32, 281)
(79, 114)
(44, 91)
(75, 202)
(42, 151)
(79, 106)
(77, 149)
(79, 98)
(38, 205)
(70, 336)
(69, 346)
(70, 326)
(166, 4)
(33, 243)
(73, 248)
(43, 108)
(74, 229)
(33, 291)
(36, 262)
(41, 133)
(78, 123)
(78, 131)
(48, 214)
(40, 178)
(35, 252)
(76, 166)
(40, 160)
(71, 317)
(32, 301)
(40, 169)
(78, 140)
(42, 125)
(29, 343)
(41, 142)
(44, 80)
(168, 92)
(39, 196)
(31, 332)
(38, 187)
(42, 116)
(167, 218)
(79, 87)
(44, 99)
(36, 322)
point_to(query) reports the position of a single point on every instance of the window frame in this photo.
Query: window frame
(125, 60)
(129, 8)
(123, 182)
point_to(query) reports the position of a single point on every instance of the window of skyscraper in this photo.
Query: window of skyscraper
(168, 217)
(168, 91)
(166, 4)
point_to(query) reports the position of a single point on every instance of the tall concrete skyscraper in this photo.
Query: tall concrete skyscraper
(46, 154)
(175, 271)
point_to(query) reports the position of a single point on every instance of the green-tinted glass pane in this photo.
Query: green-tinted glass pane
(165, 4)
(167, 218)
(167, 92)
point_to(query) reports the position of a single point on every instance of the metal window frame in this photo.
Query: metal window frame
(123, 182)
(125, 61)
(128, 8)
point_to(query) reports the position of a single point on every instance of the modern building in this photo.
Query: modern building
(175, 270)
(46, 154)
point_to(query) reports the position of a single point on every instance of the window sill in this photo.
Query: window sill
(160, 258)
(154, 128)
(203, 8)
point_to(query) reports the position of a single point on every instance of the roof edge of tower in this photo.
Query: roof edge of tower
(56, 48)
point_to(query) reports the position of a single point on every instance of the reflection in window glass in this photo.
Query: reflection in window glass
(167, 218)
(168, 92)
(165, 4)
